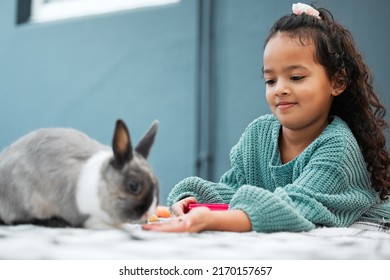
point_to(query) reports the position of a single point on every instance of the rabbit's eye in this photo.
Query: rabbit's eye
(134, 187)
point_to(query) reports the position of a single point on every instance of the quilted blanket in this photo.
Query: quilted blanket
(360, 241)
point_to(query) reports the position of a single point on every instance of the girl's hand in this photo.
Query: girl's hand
(181, 207)
(194, 221)
(201, 219)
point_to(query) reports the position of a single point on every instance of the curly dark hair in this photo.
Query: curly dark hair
(359, 106)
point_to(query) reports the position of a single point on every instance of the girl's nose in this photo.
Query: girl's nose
(281, 88)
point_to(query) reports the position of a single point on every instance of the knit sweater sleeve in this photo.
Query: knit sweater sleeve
(205, 191)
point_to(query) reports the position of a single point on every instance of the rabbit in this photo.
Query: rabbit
(61, 177)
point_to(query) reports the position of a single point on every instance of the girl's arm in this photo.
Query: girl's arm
(202, 219)
(205, 191)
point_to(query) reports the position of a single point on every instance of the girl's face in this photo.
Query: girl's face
(298, 90)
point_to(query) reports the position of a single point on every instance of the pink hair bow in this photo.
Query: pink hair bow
(300, 8)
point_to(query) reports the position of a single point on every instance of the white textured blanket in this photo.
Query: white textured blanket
(360, 241)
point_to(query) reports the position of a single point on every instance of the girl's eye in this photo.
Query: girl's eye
(269, 82)
(297, 78)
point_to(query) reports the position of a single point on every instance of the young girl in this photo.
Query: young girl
(320, 158)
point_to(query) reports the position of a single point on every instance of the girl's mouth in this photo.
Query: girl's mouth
(285, 105)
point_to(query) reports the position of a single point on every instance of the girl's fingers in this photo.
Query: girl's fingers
(181, 207)
(174, 225)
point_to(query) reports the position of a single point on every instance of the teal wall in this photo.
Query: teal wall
(195, 66)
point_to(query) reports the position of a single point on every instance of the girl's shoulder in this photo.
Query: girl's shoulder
(339, 131)
(338, 140)
(261, 132)
(266, 126)
(259, 135)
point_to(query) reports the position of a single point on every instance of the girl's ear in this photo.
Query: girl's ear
(340, 82)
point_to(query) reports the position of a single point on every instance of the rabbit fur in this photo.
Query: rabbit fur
(62, 177)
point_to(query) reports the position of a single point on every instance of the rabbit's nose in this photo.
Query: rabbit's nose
(134, 187)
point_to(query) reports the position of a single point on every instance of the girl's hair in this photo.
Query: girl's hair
(359, 106)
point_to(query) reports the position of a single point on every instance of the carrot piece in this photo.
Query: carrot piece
(163, 212)
(153, 219)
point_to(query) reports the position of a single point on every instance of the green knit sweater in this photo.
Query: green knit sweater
(327, 184)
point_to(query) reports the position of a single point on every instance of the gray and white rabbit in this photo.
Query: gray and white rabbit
(62, 177)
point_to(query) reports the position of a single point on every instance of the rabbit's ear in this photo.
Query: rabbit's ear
(121, 144)
(146, 142)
